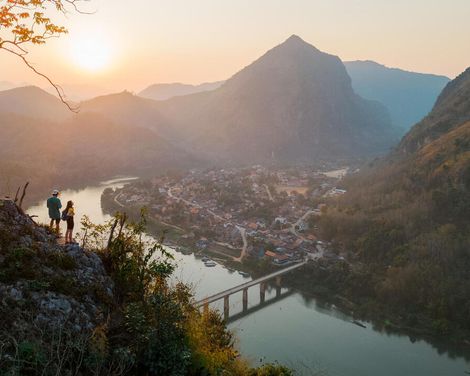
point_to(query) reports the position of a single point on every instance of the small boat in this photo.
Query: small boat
(244, 274)
(210, 263)
(183, 250)
(358, 323)
(205, 259)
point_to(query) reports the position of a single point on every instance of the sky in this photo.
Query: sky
(130, 44)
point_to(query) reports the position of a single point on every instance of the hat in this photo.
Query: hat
(55, 192)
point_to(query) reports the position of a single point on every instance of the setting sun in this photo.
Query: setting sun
(91, 52)
(235, 187)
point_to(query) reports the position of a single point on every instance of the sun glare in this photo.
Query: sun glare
(91, 52)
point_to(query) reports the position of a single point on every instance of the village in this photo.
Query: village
(256, 213)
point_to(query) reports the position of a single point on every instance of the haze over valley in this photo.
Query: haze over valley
(234, 188)
(295, 104)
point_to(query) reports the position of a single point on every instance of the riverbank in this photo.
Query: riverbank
(300, 328)
(173, 235)
(334, 280)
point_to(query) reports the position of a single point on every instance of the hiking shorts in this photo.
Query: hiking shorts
(70, 223)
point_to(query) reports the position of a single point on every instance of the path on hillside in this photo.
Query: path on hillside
(245, 243)
(268, 192)
(116, 199)
(302, 218)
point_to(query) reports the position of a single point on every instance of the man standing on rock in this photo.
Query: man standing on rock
(54, 205)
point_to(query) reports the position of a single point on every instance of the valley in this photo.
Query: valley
(355, 172)
(312, 326)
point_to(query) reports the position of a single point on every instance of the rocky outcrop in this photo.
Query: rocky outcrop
(45, 286)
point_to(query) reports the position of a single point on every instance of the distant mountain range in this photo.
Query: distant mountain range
(166, 91)
(33, 102)
(451, 111)
(44, 143)
(409, 96)
(295, 104)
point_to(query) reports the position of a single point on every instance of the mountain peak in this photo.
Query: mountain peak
(293, 104)
(296, 41)
(295, 38)
(32, 101)
(28, 90)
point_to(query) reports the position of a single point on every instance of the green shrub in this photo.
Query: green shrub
(61, 260)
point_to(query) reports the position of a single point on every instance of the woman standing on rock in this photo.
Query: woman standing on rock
(69, 214)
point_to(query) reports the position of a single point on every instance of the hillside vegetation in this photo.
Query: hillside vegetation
(105, 309)
(406, 220)
(75, 152)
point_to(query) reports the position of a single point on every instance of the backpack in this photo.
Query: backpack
(64, 215)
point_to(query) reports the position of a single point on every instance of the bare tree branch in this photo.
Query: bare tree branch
(57, 88)
(23, 195)
(17, 193)
(16, 34)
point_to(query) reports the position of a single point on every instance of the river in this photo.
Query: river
(300, 333)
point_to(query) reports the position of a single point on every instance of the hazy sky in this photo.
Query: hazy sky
(133, 43)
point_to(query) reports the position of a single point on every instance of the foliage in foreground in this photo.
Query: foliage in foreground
(152, 328)
(154, 323)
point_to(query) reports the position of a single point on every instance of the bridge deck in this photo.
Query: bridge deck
(246, 285)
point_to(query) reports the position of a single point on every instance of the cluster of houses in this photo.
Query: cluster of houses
(213, 205)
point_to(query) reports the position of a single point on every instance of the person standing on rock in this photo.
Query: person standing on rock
(69, 212)
(54, 205)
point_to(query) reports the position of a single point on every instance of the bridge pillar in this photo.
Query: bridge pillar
(278, 286)
(262, 291)
(245, 299)
(226, 307)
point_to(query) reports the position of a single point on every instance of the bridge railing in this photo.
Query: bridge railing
(244, 287)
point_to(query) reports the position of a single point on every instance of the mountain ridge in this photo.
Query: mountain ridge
(409, 96)
(405, 219)
(33, 101)
(164, 91)
(452, 109)
(281, 96)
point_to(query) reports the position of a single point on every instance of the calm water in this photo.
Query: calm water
(301, 334)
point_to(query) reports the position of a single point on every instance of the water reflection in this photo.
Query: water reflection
(296, 329)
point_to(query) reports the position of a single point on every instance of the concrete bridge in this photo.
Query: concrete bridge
(262, 281)
(261, 305)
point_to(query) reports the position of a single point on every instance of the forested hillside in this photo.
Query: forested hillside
(406, 218)
(75, 152)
